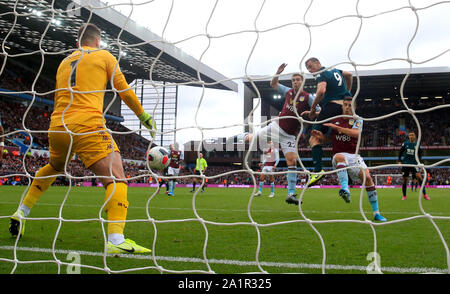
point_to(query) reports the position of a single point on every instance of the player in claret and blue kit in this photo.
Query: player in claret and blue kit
(284, 132)
(344, 133)
(269, 162)
(174, 167)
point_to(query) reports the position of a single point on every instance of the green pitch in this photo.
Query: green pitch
(236, 234)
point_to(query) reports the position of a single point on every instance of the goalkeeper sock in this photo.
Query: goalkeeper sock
(261, 183)
(317, 153)
(272, 187)
(26, 210)
(39, 186)
(373, 198)
(116, 207)
(342, 175)
(116, 239)
(404, 189)
(292, 180)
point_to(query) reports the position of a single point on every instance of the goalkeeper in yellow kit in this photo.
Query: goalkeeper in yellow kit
(80, 83)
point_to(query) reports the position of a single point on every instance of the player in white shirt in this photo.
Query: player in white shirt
(269, 162)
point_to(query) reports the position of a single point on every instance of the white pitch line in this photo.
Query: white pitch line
(237, 210)
(236, 262)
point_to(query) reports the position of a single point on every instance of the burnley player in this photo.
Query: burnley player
(174, 167)
(269, 162)
(344, 136)
(283, 132)
(407, 155)
(332, 87)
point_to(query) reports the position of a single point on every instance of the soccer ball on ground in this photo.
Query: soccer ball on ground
(158, 158)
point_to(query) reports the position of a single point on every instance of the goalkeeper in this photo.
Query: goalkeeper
(80, 83)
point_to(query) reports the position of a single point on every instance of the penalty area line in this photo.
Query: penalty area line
(234, 262)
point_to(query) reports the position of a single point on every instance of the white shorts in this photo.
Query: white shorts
(267, 169)
(273, 132)
(171, 171)
(355, 160)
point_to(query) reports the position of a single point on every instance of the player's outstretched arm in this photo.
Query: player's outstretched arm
(274, 81)
(128, 95)
(349, 132)
(320, 92)
(348, 77)
(321, 137)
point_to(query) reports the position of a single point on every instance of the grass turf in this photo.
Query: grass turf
(225, 230)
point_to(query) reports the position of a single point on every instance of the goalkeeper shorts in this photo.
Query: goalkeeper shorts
(90, 148)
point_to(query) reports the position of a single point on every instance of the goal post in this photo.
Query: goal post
(383, 180)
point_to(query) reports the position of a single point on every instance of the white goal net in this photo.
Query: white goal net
(245, 41)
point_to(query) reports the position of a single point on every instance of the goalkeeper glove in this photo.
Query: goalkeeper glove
(148, 122)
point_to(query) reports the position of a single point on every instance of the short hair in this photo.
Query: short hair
(297, 74)
(88, 33)
(350, 98)
(313, 59)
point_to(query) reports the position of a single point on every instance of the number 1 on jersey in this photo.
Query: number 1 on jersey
(73, 76)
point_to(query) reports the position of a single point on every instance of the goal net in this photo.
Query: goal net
(232, 231)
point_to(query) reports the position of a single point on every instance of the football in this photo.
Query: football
(158, 158)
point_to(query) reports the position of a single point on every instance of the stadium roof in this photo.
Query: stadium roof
(374, 84)
(140, 46)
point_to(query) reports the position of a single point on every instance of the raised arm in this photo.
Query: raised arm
(274, 81)
(320, 92)
(348, 77)
(129, 96)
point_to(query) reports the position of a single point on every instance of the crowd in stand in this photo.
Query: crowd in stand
(137, 172)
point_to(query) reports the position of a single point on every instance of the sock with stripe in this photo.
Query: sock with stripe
(342, 175)
(373, 198)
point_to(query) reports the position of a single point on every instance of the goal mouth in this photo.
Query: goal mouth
(205, 74)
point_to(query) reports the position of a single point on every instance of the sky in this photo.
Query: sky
(253, 37)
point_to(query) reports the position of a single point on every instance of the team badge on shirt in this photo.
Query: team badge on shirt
(351, 122)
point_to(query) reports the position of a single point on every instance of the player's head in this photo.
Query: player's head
(89, 35)
(347, 106)
(171, 147)
(412, 137)
(313, 65)
(297, 80)
(200, 154)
